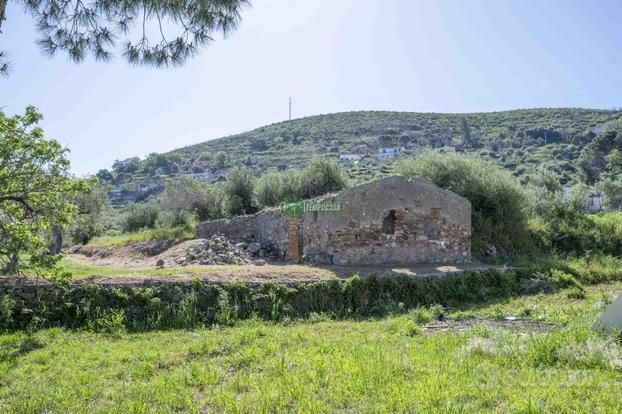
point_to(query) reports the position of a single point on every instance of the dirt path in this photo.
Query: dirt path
(130, 260)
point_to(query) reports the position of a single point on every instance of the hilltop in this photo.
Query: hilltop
(523, 141)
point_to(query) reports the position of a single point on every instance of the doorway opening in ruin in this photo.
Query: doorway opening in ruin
(388, 224)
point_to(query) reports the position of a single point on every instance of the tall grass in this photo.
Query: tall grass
(173, 233)
(379, 366)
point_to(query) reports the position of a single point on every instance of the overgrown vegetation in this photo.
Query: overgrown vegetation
(499, 204)
(321, 365)
(183, 305)
(526, 142)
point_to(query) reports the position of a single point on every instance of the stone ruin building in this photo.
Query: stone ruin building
(390, 221)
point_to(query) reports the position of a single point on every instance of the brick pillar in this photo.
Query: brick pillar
(293, 238)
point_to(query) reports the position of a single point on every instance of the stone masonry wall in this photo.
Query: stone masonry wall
(268, 227)
(389, 221)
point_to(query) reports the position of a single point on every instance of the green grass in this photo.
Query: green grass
(173, 233)
(80, 270)
(385, 365)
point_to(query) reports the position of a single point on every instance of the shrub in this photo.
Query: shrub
(140, 216)
(238, 191)
(187, 305)
(95, 212)
(188, 197)
(7, 306)
(575, 293)
(564, 230)
(563, 280)
(276, 187)
(499, 204)
(321, 176)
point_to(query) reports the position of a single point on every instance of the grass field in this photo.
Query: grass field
(386, 365)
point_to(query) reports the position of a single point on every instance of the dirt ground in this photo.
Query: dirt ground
(464, 324)
(145, 256)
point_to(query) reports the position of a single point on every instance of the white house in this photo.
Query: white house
(387, 152)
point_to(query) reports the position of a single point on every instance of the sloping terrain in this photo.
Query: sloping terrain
(519, 140)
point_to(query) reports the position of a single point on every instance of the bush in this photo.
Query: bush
(95, 213)
(563, 280)
(187, 305)
(140, 216)
(189, 197)
(276, 187)
(321, 176)
(564, 230)
(238, 191)
(499, 204)
(576, 293)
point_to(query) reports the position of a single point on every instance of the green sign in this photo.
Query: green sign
(298, 208)
(294, 209)
(323, 207)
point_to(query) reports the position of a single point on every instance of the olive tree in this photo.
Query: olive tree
(188, 196)
(499, 203)
(239, 192)
(36, 190)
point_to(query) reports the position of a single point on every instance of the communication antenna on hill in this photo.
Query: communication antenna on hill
(290, 108)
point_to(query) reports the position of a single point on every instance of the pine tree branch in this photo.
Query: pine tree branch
(2, 11)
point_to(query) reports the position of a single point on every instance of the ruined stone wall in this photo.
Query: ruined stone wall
(391, 221)
(268, 227)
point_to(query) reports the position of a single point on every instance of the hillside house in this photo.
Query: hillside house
(133, 191)
(387, 152)
(206, 176)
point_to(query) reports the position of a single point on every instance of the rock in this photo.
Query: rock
(491, 250)
(217, 251)
(254, 247)
(26, 295)
(260, 262)
(535, 286)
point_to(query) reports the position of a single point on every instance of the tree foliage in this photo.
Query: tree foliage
(94, 209)
(239, 188)
(499, 203)
(156, 33)
(140, 216)
(188, 196)
(593, 157)
(275, 187)
(36, 192)
(321, 176)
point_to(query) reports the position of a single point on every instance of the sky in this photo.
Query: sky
(329, 56)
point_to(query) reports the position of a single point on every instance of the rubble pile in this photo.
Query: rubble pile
(218, 250)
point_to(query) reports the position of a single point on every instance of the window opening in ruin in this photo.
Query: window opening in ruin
(388, 224)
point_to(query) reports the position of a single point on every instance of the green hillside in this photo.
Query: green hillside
(523, 141)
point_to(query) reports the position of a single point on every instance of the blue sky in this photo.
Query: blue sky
(330, 56)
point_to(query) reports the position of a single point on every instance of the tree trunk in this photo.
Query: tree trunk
(11, 266)
(56, 239)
